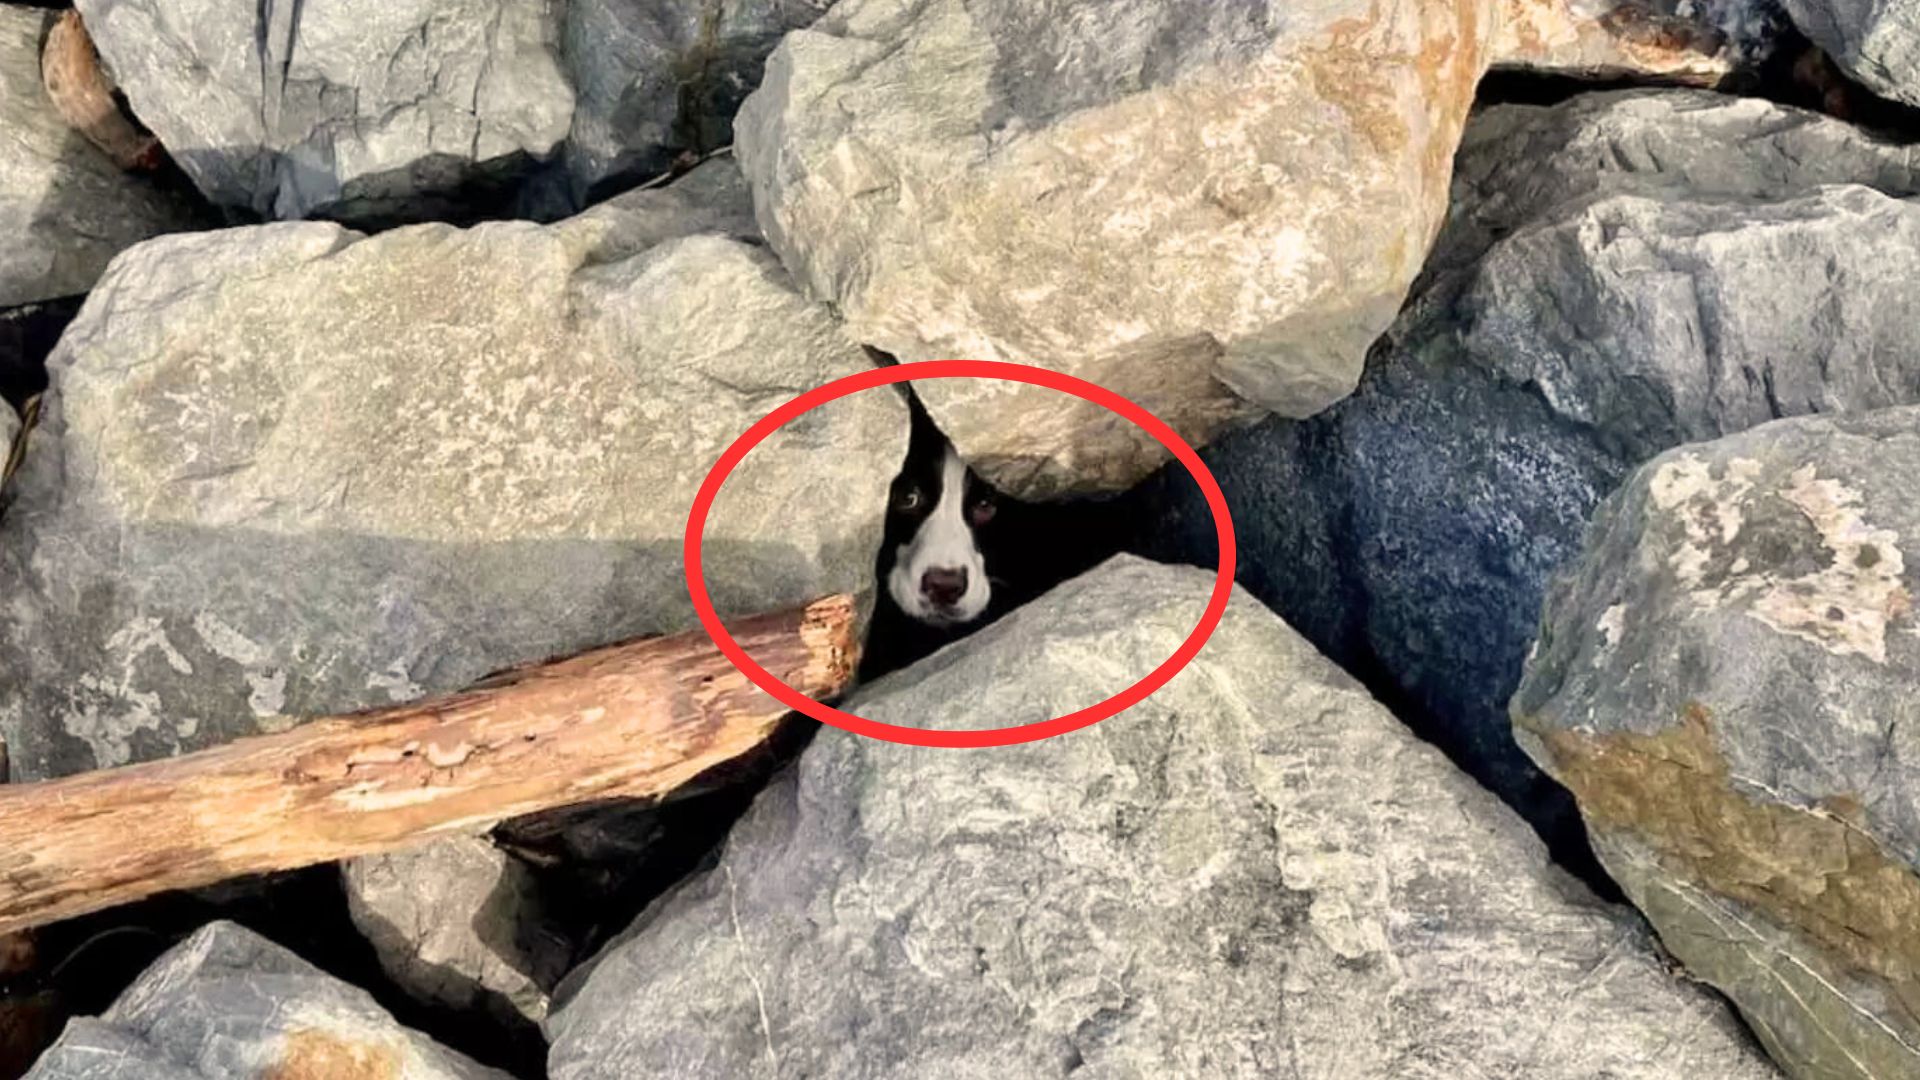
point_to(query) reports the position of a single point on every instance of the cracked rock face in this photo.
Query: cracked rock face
(1876, 41)
(290, 470)
(1619, 274)
(349, 109)
(1211, 208)
(228, 1003)
(656, 80)
(65, 208)
(1725, 682)
(1217, 882)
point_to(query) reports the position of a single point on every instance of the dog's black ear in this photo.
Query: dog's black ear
(928, 442)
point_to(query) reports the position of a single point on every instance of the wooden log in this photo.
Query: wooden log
(83, 95)
(633, 720)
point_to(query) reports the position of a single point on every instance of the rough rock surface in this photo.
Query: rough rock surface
(1214, 883)
(357, 108)
(457, 923)
(288, 470)
(1875, 41)
(1621, 273)
(227, 1003)
(995, 181)
(658, 80)
(65, 209)
(9, 431)
(1725, 681)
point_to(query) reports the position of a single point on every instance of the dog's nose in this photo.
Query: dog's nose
(944, 586)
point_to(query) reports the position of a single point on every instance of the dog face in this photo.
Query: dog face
(934, 521)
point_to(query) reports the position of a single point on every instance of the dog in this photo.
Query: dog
(957, 553)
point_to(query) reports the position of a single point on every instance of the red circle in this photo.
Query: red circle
(960, 369)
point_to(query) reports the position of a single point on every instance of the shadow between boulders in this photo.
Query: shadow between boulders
(436, 188)
(28, 334)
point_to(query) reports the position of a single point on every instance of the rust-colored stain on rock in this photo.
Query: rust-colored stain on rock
(1817, 872)
(1355, 76)
(312, 1054)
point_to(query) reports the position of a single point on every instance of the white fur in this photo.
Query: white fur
(944, 540)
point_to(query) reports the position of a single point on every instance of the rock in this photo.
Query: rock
(980, 179)
(1875, 41)
(228, 1003)
(288, 470)
(1213, 883)
(353, 110)
(457, 923)
(658, 81)
(65, 209)
(1725, 681)
(9, 432)
(1621, 273)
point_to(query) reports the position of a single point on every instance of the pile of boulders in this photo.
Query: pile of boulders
(1568, 444)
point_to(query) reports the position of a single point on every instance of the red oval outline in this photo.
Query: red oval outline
(960, 369)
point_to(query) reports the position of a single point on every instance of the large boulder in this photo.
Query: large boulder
(65, 208)
(357, 108)
(227, 1003)
(1211, 208)
(288, 470)
(1216, 882)
(1875, 41)
(1726, 682)
(1621, 273)
(655, 81)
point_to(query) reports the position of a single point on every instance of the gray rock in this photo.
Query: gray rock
(1217, 882)
(1620, 273)
(227, 1004)
(290, 470)
(9, 432)
(1875, 41)
(1199, 206)
(1725, 681)
(657, 80)
(457, 923)
(352, 109)
(65, 208)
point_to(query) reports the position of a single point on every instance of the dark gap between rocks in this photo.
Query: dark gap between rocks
(27, 336)
(1793, 71)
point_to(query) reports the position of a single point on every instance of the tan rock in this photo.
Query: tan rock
(1725, 682)
(1212, 209)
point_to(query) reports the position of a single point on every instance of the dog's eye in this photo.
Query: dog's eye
(908, 500)
(981, 511)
